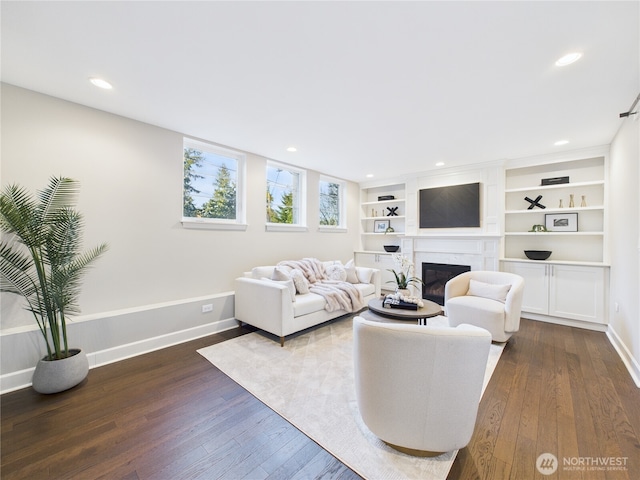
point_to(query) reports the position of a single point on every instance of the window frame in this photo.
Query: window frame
(301, 224)
(342, 204)
(239, 223)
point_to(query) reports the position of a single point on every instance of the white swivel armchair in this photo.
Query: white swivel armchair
(486, 299)
(418, 387)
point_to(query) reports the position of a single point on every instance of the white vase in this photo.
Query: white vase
(53, 376)
(404, 292)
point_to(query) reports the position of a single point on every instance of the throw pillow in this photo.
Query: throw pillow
(336, 272)
(261, 272)
(280, 275)
(300, 282)
(488, 290)
(365, 274)
(287, 283)
(352, 276)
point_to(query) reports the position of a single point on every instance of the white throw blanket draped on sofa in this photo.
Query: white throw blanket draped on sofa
(339, 295)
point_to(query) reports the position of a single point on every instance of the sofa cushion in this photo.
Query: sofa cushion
(366, 288)
(308, 303)
(488, 290)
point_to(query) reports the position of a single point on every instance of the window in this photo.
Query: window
(285, 196)
(212, 185)
(332, 194)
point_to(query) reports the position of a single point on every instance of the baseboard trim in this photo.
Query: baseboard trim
(567, 322)
(22, 378)
(629, 361)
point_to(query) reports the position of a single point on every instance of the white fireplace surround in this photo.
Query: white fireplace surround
(478, 251)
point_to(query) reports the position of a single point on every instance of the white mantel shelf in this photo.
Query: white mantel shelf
(480, 251)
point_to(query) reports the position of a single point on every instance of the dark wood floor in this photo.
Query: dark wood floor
(172, 415)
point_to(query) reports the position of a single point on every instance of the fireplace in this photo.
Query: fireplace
(435, 276)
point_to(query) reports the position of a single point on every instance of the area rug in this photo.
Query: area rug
(310, 382)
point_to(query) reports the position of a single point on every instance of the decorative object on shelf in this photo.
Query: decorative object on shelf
(382, 198)
(583, 203)
(537, 254)
(373, 212)
(561, 222)
(391, 248)
(393, 211)
(560, 205)
(571, 203)
(389, 230)
(554, 181)
(381, 226)
(404, 275)
(538, 229)
(534, 203)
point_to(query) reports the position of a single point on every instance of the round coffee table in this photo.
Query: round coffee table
(430, 309)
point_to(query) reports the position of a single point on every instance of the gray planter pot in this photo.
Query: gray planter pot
(53, 376)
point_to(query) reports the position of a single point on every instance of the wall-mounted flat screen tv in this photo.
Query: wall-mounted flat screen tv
(450, 207)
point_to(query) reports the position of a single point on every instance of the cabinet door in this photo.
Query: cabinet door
(577, 292)
(388, 280)
(536, 285)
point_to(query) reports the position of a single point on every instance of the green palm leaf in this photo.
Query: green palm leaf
(41, 258)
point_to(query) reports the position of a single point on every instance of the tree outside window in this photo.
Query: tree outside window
(284, 202)
(331, 193)
(210, 182)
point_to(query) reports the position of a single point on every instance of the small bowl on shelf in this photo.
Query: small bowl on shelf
(391, 248)
(537, 254)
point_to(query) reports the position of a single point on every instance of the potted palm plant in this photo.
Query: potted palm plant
(40, 260)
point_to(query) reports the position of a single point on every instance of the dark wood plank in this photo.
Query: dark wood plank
(171, 414)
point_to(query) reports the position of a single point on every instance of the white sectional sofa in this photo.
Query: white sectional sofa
(267, 297)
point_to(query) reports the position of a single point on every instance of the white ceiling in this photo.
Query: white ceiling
(386, 88)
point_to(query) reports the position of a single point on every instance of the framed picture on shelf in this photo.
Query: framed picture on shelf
(561, 222)
(381, 226)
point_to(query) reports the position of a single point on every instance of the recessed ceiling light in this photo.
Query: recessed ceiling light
(440, 164)
(568, 59)
(369, 175)
(100, 83)
(561, 142)
(292, 149)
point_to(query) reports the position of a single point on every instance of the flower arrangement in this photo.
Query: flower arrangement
(404, 277)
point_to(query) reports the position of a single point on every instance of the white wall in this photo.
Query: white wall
(131, 196)
(624, 328)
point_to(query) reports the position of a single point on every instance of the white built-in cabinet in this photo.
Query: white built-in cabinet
(563, 291)
(571, 286)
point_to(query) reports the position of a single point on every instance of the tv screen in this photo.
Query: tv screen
(450, 207)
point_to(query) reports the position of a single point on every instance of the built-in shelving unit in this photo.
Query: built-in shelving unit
(570, 286)
(374, 213)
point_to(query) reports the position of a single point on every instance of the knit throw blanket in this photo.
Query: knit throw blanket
(337, 294)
